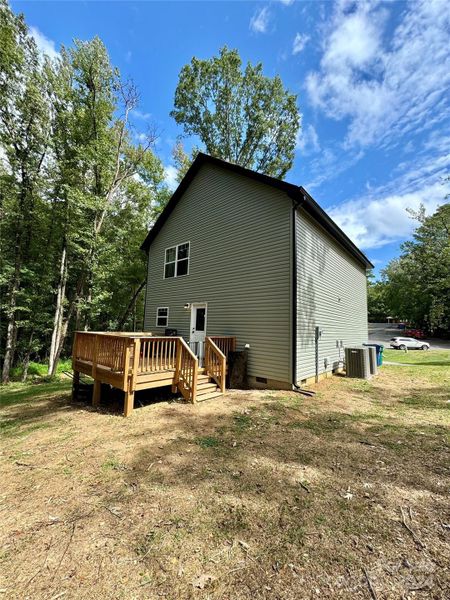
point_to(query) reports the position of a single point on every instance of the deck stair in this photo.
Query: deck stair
(207, 388)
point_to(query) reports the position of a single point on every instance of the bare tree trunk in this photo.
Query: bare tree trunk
(58, 318)
(63, 333)
(62, 339)
(9, 350)
(11, 327)
(131, 306)
(26, 360)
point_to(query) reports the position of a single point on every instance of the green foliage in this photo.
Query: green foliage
(378, 310)
(78, 195)
(239, 115)
(39, 370)
(416, 286)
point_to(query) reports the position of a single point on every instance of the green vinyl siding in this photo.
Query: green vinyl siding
(240, 264)
(331, 294)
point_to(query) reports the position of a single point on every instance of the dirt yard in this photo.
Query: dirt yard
(255, 495)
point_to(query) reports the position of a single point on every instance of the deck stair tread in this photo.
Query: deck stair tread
(204, 388)
(202, 397)
(203, 378)
(207, 388)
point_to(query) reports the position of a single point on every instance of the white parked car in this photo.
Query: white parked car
(402, 343)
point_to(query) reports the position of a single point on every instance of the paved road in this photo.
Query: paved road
(381, 333)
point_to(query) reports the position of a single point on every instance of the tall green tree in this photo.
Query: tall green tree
(95, 160)
(24, 139)
(239, 115)
(77, 192)
(417, 284)
(376, 300)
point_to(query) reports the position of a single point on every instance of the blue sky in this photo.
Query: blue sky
(372, 78)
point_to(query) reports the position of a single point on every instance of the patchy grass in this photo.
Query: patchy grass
(207, 442)
(257, 495)
(19, 393)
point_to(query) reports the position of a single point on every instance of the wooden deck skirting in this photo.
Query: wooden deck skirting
(138, 361)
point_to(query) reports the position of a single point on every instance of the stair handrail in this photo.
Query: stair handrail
(215, 363)
(186, 371)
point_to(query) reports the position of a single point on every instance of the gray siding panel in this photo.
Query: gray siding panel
(331, 294)
(240, 265)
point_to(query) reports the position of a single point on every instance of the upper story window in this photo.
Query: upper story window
(176, 262)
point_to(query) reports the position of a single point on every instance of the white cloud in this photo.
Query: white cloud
(138, 114)
(259, 23)
(171, 177)
(308, 140)
(287, 2)
(141, 137)
(377, 220)
(329, 164)
(299, 43)
(44, 44)
(385, 89)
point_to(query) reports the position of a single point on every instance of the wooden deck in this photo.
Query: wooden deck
(138, 361)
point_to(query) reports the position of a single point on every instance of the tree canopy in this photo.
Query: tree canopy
(78, 194)
(416, 285)
(239, 115)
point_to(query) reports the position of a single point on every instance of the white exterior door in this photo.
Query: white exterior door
(198, 329)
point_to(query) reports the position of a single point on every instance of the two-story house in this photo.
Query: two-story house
(239, 253)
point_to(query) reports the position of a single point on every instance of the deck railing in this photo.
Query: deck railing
(83, 346)
(133, 361)
(186, 372)
(215, 363)
(109, 352)
(157, 354)
(225, 343)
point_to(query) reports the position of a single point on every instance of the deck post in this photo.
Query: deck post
(223, 375)
(94, 358)
(75, 384)
(194, 382)
(129, 391)
(176, 377)
(136, 358)
(97, 392)
(128, 403)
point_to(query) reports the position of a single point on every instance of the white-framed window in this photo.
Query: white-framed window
(162, 316)
(176, 260)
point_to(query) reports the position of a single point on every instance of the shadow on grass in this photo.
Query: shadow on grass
(273, 434)
(442, 363)
(31, 405)
(17, 393)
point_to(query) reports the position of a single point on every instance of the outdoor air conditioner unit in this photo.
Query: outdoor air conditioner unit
(357, 362)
